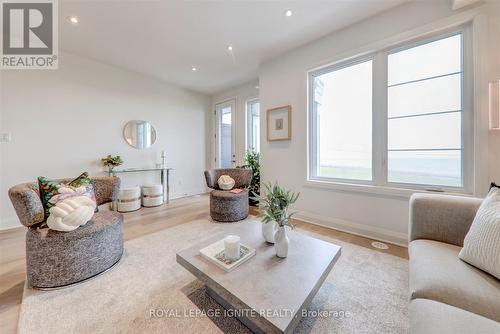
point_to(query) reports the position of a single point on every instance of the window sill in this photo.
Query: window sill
(376, 190)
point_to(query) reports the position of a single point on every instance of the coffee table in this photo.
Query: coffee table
(268, 294)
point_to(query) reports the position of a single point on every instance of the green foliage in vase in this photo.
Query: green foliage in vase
(252, 161)
(274, 204)
(112, 162)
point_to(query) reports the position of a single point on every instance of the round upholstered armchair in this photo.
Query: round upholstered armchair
(56, 259)
(226, 206)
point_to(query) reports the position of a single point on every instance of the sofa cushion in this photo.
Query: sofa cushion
(482, 242)
(431, 317)
(437, 273)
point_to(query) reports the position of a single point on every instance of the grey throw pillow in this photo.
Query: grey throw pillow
(482, 242)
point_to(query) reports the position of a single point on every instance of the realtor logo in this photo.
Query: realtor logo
(29, 39)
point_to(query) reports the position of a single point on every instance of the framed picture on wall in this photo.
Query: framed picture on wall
(279, 123)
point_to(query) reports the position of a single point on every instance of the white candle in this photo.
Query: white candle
(232, 247)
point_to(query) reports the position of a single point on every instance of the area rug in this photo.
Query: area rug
(148, 292)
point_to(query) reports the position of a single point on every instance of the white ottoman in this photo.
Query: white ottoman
(129, 199)
(152, 195)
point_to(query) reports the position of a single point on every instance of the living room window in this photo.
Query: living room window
(253, 125)
(342, 118)
(400, 117)
(425, 113)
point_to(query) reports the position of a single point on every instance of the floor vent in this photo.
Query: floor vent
(379, 245)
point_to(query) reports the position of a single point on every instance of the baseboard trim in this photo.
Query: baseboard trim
(363, 230)
(11, 227)
(188, 194)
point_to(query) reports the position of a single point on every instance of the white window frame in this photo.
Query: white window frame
(312, 120)
(380, 122)
(248, 120)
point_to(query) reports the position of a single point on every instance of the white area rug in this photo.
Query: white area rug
(366, 292)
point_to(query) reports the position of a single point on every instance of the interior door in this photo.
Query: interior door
(225, 147)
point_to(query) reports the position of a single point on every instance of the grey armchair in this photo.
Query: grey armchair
(226, 206)
(55, 259)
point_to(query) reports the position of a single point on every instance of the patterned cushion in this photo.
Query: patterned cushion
(482, 242)
(52, 192)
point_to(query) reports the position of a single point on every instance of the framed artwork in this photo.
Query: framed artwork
(279, 123)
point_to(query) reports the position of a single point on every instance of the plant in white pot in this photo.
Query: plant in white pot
(275, 217)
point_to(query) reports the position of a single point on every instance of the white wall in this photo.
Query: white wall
(284, 81)
(63, 121)
(241, 94)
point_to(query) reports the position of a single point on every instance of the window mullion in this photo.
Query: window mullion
(379, 131)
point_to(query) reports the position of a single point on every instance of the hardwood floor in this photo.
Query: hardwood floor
(137, 224)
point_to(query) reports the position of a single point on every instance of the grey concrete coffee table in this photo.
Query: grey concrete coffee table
(266, 293)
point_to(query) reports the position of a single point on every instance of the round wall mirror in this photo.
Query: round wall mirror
(139, 134)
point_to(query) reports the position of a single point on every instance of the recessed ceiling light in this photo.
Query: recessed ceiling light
(257, 87)
(193, 69)
(73, 19)
(288, 13)
(229, 48)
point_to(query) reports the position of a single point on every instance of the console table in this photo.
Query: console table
(164, 177)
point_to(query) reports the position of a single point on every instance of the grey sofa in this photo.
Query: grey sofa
(447, 295)
(55, 259)
(224, 205)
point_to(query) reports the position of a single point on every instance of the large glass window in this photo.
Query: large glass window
(425, 113)
(253, 125)
(395, 118)
(343, 118)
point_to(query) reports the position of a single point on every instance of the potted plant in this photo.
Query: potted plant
(252, 161)
(111, 162)
(275, 217)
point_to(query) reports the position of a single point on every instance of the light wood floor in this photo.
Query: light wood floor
(137, 224)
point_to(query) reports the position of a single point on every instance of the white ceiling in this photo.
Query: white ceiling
(165, 39)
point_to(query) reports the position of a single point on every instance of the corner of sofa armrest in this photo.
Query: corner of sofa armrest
(441, 217)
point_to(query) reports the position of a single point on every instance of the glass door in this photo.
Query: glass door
(225, 155)
(253, 125)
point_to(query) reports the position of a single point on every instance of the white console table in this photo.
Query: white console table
(164, 177)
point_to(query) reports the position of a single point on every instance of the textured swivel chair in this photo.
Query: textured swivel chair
(56, 259)
(226, 206)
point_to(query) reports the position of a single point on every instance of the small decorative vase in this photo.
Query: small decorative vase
(268, 231)
(281, 242)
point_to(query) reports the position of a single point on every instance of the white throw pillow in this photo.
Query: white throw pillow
(482, 242)
(226, 182)
(70, 213)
